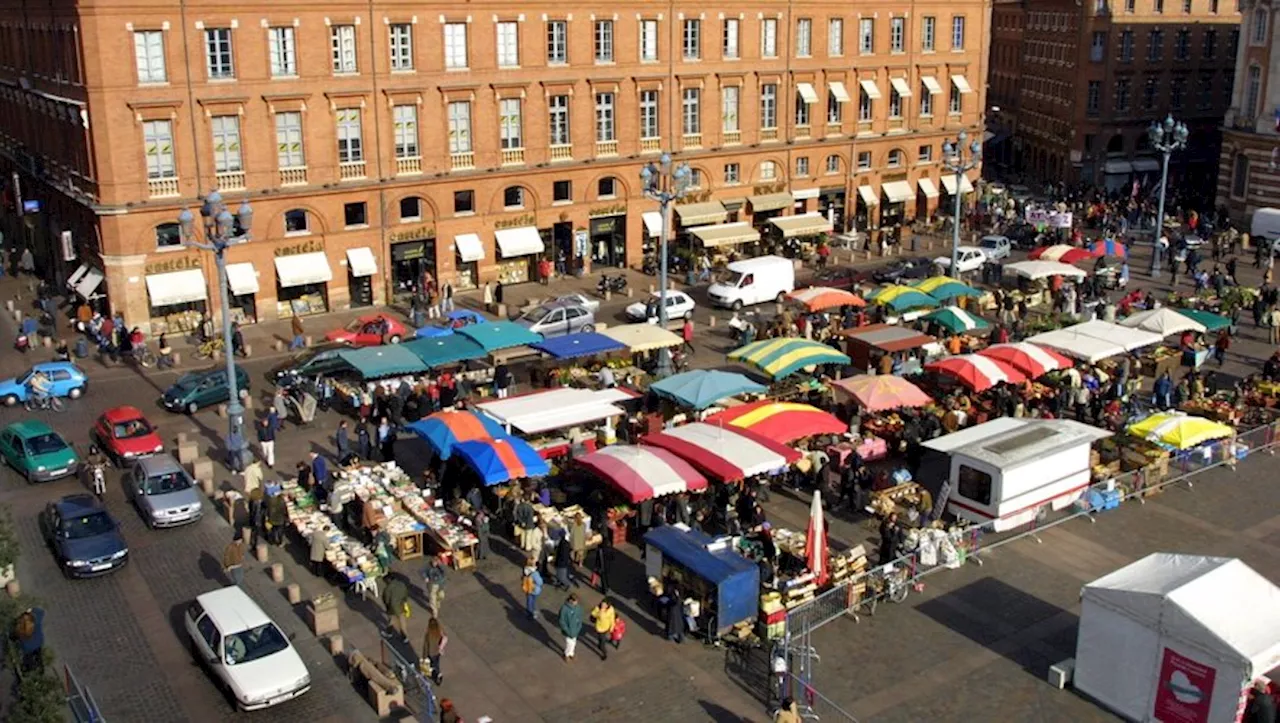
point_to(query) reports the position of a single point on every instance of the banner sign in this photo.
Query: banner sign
(1185, 691)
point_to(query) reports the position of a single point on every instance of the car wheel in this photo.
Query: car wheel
(192, 408)
(586, 329)
(243, 393)
(11, 400)
(689, 315)
(737, 305)
(395, 339)
(76, 393)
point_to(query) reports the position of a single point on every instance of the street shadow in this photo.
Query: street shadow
(516, 615)
(720, 714)
(748, 669)
(211, 568)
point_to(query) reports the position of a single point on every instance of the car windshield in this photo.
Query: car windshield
(536, 315)
(250, 645)
(45, 444)
(97, 523)
(163, 484)
(990, 243)
(735, 278)
(131, 429)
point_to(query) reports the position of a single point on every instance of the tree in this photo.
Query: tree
(9, 548)
(40, 697)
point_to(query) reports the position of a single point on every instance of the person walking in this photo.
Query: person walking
(570, 624)
(686, 333)
(386, 440)
(502, 380)
(28, 633)
(446, 297)
(433, 645)
(252, 476)
(233, 561)
(481, 522)
(788, 712)
(564, 559)
(1221, 346)
(319, 470)
(342, 441)
(675, 615)
(267, 441)
(531, 586)
(604, 617)
(364, 446)
(319, 543)
(257, 514)
(277, 517)
(299, 335)
(435, 576)
(395, 602)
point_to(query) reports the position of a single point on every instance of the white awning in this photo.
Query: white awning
(469, 247)
(652, 223)
(949, 183)
(927, 188)
(1145, 165)
(521, 241)
(870, 88)
(360, 261)
(808, 224)
(699, 214)
(1119, 167)
(839, 91)
(770, 202)
(89, 283)
(868, 195)
(176, 287)
(726, 234)
(242, 278)
(554, 409)
(896, 191)
(961, 84)
(807, 93)
(73, 278)
(931, 83)
(300, 269)
(900, 85)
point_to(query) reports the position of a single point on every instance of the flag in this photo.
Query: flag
(815, 542)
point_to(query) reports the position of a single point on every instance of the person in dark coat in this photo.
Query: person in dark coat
(1262, 705)
(675, 615)
(564, 561)
(890, 538)
(364, 447)
(481, 523)
(277, 518)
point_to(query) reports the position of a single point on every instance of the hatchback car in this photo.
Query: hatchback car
(679, 306)
(37, 452)
(66, 380)
(84, 537)
(450, 323)
(164, 493)
(124, 433)
(557, 318)
(582, 300)
(249, 655)
(369, 331)
(971, 258)
(903, 270)
(196, 390)
(996, 247)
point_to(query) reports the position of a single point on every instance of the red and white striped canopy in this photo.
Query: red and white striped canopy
(1032, 360)
(726, 453)
(1062, 253)
(643, 473)
(977, 372)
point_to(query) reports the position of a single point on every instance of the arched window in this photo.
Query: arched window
(1116, 144)
(895, 158)
(768, 170)
(295, 221)
(607, 187)
(168, 235)
(411, 208)
(833, 164)
(513, 197)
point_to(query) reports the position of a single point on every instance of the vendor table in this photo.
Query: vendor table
(408, 545)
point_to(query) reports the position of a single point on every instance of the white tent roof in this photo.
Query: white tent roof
(1218, 604)
(555, 409)
(1080, 346)
(1127, 337)
(1163, 321)
(1044, 269)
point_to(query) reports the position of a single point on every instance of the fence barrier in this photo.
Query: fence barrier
(80, 702)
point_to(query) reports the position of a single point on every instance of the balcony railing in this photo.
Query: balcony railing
(650, 145)
(606, 148)
(230, 180)
(768, 134)
(802, 131)
(293, 176)
(409, 166)
(562, 152)
(463, 161)
(691, 140)
(163, 187)
(513, 156)
(732, 138)
(351, 170)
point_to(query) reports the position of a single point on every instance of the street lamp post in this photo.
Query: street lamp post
(664, 184)
(220, 233)
(1166, 138)
(953, 160)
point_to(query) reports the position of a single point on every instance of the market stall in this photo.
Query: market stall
(728, 454)
(497, 461)
(579, 345)
(867, 344)
(784, 356)
(946, 288)
(1211, 322)
(555, 421)
(1163, 321)
(882, 392)
(1061, 253)
(1038, 270)
(978, 373)
(1179, 431)
(701, 388)
(782, 422)
(897, 297)
(1078, 346)
(642, 338)
(822, 298)
(445, 351)
(1033, 361)
(726, 584)
(444, 430)
(957, 321)
(450, 323)
(642, 473)
(1129, 338)
(498, 335)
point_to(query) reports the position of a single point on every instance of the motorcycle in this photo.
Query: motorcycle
(614, 284)
(650, 266)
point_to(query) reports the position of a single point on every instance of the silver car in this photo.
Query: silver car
(557, 318)
(164, 493)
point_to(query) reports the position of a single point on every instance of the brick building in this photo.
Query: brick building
(1093, 74)
(1004, 80)
(379, 142)
(1249, 170)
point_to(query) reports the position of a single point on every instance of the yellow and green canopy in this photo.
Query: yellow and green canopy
(781, 357)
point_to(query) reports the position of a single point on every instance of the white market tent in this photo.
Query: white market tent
(556, 409)
(1044, 269)
(1176, 637)
(1163, 321)
(1127, 337)
(1095, 340)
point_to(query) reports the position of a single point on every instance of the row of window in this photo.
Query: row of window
(1157, 6)
(1155, 45)
(282, 49)
(1124, 97)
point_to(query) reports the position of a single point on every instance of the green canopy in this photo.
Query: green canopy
(445, 350)
(500, 335)
(383, 361)
(1210, 320)
(957, 320)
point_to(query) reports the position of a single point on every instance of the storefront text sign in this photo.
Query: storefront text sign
(698, 197)
(303, 247)
(617, 209)
(181, 263)
(527, 219)
(413, 234)
(765, 189)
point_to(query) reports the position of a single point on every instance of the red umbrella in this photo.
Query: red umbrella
(979, 373)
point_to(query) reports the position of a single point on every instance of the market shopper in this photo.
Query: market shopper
(277, 514)
(604, 617)
(564, 562)
(342, 441)
(319, 543)
(675, 615)
(482, 529)
(570, 624)
(434, 642)
(395, 603)
(299, 334)
(267, 442)
(788, 712)
(233, 561)
(531, 586)
(435, 577)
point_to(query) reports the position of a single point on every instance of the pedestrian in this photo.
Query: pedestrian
(564, 559)
(237, 340)
(788, 712)
(1273, 325)
(686, 333)
(502, 380)
(319, 470)
(446, 297)
(233, 561)
(447, 713)
(267, 441)
(28, 631)
(257, 515)
(675, 615)
(433, 645)
(1221, 346)
(395, 602)
(364, 446)
(235, 452)
(386, 440)
(299, 334)
(570, 624)
(481, 522)
(435, 577)
(342, 441)
(487, 295)
(604, 617)
(319, 544)
(525, 525)
(277, 517)
(499, 293)
(531, 586)
(252, 476)
(603, 554)
(279, 410)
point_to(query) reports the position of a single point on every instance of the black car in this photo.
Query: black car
(85, 538)
(904, 270)
(840, 277)
(321, 359)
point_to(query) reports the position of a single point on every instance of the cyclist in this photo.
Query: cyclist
(97, 463)
(137, 344)
(40, 386)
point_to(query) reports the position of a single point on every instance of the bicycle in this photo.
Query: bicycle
(209, 348)
(888, 582)
(144, 357)
(50, 402)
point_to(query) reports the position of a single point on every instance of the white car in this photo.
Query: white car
(971, 259)
(250, 655)
(995, 247)
(593, 305)
(679, 306)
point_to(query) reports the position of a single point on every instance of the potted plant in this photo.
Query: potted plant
(9, 550)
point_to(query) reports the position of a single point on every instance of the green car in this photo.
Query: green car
(37, 452)
(196, 390)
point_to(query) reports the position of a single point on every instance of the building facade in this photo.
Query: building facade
(382, 144)
(1249, 170)
(1004, 81)
(1094, 74)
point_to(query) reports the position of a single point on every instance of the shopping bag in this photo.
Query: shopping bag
(595, 579)
(619, 630)
(406, 611)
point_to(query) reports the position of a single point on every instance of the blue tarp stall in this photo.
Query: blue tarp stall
(445, 350)
(445, 430)
(573, 346)
(383, 361)
(727, 579)
(499, 335)
(502, 460)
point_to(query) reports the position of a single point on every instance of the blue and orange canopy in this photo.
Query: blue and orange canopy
(502, 460)
(445, 430)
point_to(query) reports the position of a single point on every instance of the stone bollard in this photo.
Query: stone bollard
(322, 614)
(261, 552)
(247, 402)
(181, 438)
(17, 314)
(608, 295)
(206, 486)
(711, 321)
(277, 574)
(246, 535)
(46, 341)
(9, 304)
(14, 589)
(630, 292)
(335, 644)
(201, 468)
(248, 351)
(653, 289)
(280, 345)
(177, 358)
(293, 593)
(307, 340)
(222, 411)
(217, 356)
(188, 452)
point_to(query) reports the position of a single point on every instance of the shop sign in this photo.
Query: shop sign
(181, 263)
(699, 197)
(604, 225)
(302, 247)
(413, 234)
(68, 247)
(527, 219)
(617, 209)
(408, 251)
(765, 189)
(580, 242)
(890, 178)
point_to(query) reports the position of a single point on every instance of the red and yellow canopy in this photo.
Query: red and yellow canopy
(782, 422)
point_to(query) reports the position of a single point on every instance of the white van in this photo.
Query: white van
(754, 281)
(1266, 225)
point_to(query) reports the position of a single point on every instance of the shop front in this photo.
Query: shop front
(949, 186)
(413, 257)
(470, 252)
(725, 241)
(864, 210)
(361, 268)
(1117, 174)
(177, 295)
(242, 279)
(519, 248)
(893, 211)
(768, 202)
(302, 280)
(608, 236)
(831, 205)
(926, 198)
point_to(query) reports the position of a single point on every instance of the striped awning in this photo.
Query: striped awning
(699, 214)
(726, 234)
(808, 224)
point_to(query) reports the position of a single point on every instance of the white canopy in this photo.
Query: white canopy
(1042, 269)
(242, 278)
(300, 269)
(1080, 346)
(556, 409)
(469, 246)
(642, 337)
(89, 283)
(805, 224)
(1129, 338)
(653, 223)
(361, 262)
(949, 184)
(838, 90)
(896, 191)
(176, 287)
(1163, 321)
(807, 93)
(1176, 630)
(520, 241)
(927, 187)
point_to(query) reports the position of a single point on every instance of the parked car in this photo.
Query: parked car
(450, 323)
(754, 281)
(841, 277)
(195, 390)
(996, 247)
(124, 433)
(37, 452)
(321, 359)
(903, 271)
(679, 306)
(367, 331)
(970, 258)
(249, 655)
(557, 318)
(582, 300)
(84, 537)
(67, 380)
(163, 492)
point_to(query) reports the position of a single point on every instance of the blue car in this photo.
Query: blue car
(67, 380)
(452, 321)
(84, 537)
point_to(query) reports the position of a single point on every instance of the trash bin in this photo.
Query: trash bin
(81, 348)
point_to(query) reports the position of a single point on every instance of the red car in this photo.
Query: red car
(124, 434)
(369, 331)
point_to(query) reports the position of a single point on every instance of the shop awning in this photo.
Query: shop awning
(446, 429)
(900, 85)
(242, 278)
(839, 91)
(653, 223)
(1146, 165)
(870, 88)
(642, 337)
(726, 234)
(770, 201)
(949, 183)
(931, 83)
(469, 247)
(445, 350)
(73, 278)
(896, 191)
(383, 361)
(360, 261)
(574, 346)
(556, 408)
(501, 460)
(499, 335)
(961, 84)
(927, 187)
(312, 268)
(1118, 167)
(807, 93)
(522, 241)
(698, 214)
(868, 195)
(726, 453)
(642, 473)
(808, 224)
(177, 287)
(89, 283)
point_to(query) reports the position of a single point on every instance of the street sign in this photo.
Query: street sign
(68, 246)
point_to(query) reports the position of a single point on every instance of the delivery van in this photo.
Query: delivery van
(754, 281)
(1266, 225)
